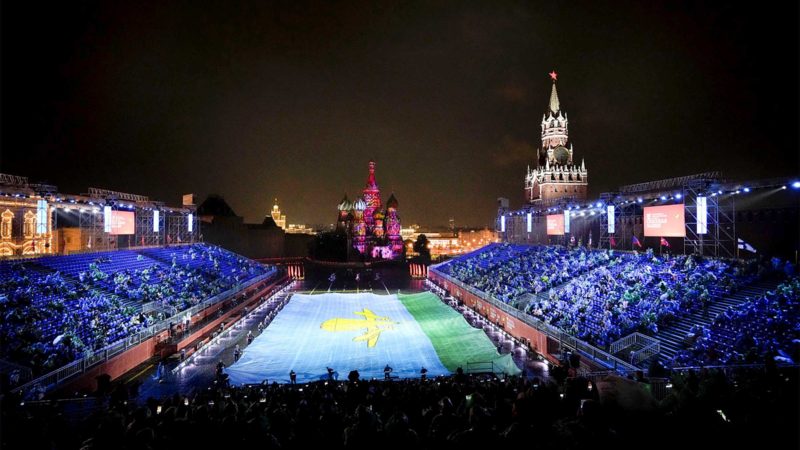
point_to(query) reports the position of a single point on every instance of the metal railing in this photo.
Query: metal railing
(202, 348)
(630, 340)
(566, 340)
(480, 367)
(52, 379)
(647, 352)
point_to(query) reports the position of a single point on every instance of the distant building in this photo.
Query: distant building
(295, 228)
(556, 175)
(454, 242)
(444, 243)
(471, 239)
(409, 233)
(280, 219)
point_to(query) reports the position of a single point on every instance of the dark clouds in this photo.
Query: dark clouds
(256, 100)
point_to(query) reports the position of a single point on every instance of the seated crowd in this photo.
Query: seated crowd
(506, 271)
(768, 325)
(636, 292)
(56, 309)
(601, 295)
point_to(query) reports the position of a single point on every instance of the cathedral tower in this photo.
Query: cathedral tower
(372, 197)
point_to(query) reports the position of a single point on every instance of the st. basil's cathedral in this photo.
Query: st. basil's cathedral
(372, 231)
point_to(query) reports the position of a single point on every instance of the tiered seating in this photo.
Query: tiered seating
(204, 258)
(635, 293)
(56, 308)
(679, 335)
(766, 325)
(600, 295)
(108, 262)
(507, 271)
(49, 321)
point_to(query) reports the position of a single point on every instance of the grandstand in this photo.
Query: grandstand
(57, 309)
(688, 304)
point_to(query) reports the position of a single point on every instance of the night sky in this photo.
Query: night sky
(291, 99)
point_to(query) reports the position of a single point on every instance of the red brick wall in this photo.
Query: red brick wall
(513, 326)
(115, 367)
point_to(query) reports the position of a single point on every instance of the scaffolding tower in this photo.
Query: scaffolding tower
(627, 220)
(712, 233)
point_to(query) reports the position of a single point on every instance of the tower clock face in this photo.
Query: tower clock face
(561, 155)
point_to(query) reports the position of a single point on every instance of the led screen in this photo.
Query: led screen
(555, 225)
(122, 222)
(666, 221)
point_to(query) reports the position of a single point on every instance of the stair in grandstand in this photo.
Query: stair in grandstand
(674, 337)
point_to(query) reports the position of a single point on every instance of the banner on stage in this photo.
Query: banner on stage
(121, 222)
(555, 225)
(667, 221)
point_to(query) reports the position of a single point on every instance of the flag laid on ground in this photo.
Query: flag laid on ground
(365, 332)
(636, 241)
(664, 242)
(745, 246)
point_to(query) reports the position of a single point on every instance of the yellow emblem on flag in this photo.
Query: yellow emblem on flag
(374, 325)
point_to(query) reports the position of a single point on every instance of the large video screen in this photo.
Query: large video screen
(555, 225)
(666, 221)
(122, 222)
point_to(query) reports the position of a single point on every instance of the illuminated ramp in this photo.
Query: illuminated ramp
(364, 332)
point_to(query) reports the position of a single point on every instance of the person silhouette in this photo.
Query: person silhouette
(292, 377)
(387, 372)
(353, 376)
(159, 376)
(330, 373)
(423, 373)
(220, 369)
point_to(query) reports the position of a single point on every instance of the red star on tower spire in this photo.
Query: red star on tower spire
(553, 75)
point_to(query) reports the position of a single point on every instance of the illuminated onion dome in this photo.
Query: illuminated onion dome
(359, 204)
(392, 202)
(344, 205)
(378, 215)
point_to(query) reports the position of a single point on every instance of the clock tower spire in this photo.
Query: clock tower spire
(555, 175)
